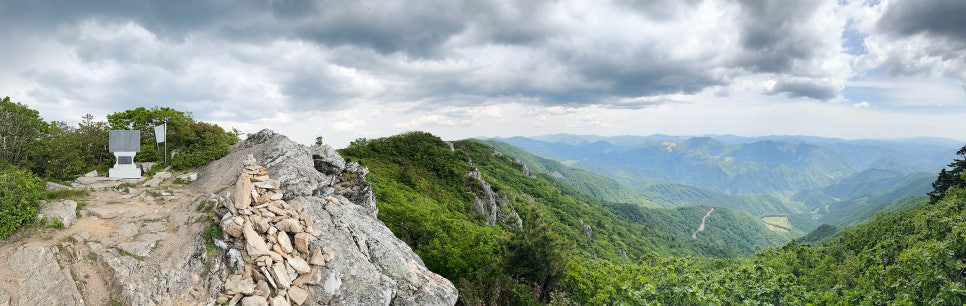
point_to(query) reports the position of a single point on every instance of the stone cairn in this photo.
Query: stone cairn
(274, 258)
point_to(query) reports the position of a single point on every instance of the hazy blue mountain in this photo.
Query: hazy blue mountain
(808, 180)
(868, 182)
(759, 167)
(738, 165)
(590, 183)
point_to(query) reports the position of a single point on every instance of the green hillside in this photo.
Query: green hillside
(907, 258)
(427, 195)
(820, 235)
(590, 183)
(676, 195)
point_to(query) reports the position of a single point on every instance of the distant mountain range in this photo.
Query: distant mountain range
(782, 165)
(808, 180)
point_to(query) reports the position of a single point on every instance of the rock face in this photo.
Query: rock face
(36, 268)
(309, 233)
(494, 206)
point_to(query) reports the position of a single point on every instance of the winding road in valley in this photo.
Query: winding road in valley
(701, 228)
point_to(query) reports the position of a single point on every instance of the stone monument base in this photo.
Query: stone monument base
(124, 173)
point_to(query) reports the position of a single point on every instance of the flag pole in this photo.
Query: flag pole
(165, 142)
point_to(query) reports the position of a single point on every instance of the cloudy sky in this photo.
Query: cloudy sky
(356, 68)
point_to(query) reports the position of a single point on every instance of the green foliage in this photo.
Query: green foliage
(62, 151)
(20, 193)
(122, 252)
(212, 232)
(426, 198)
(947, 179)
(912, 257)
(676, 195)
(821, 234)
(196, 143)
(20, 127)
(65, 194)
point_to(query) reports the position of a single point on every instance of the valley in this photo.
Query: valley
(595, 235)
(807, 180)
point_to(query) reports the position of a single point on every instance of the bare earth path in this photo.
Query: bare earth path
(701, 228)
(113, 218)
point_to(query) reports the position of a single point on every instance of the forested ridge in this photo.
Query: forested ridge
(426, 196)
(629, 254)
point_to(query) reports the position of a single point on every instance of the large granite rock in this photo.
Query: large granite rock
(42, 281)
(324, 244)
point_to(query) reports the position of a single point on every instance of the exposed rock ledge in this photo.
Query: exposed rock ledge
(367, 264)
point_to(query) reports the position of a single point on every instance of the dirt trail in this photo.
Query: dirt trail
(701, 228)
(118, 209)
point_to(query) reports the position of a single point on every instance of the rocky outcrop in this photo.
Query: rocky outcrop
(526, 170)
(58, 214)
(301, 229)
(37, 269)
(494, 205)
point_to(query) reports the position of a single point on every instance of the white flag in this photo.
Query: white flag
(159, 132)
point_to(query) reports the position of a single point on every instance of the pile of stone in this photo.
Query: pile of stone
(274, 257)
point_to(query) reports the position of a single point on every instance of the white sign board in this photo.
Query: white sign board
(159, 132)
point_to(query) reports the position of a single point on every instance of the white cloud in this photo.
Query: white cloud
(494, 67)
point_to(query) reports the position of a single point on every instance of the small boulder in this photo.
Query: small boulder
(157, 179)
(280, 301)
(55, 186)
(299, 264)
(64, 212)
(326, 160)
(284, 242)
(302, 241)
(253, 242)
(298, 295)
(243, 188)
(289, 225)
(254, 301)
(238, 284)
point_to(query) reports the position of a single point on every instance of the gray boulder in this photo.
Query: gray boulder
(327, 160)
(364, 263)
(42, 281)
(55, 186)
(65, 212)
(370, 265)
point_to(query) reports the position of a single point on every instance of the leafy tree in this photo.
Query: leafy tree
(145, 120)
(20, 193)
(63, 151)
(191, 143)
(20, 127)
(947, 179)
(206, 143)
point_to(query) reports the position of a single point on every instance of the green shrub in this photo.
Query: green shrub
(212, 232)
(198, 157)
(20, 193)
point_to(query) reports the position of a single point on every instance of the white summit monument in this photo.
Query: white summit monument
(125, 144)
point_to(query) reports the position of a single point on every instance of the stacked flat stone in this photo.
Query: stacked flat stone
(279, 259)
